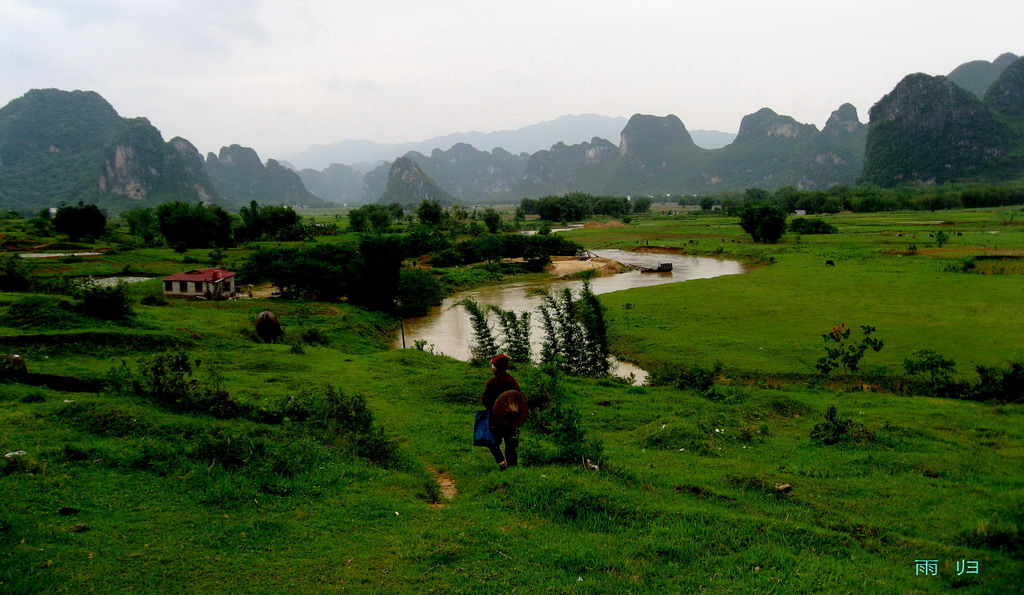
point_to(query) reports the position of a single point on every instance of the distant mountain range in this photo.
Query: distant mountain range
(68, 146)
(364, 155)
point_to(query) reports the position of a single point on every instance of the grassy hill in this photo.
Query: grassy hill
(314, 465)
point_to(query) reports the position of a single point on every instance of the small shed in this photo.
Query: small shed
(215, 283)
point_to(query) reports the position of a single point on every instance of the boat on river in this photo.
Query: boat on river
(665, 267)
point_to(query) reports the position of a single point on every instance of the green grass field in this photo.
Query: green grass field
(119, 492)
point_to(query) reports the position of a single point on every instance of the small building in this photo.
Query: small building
(215, 283)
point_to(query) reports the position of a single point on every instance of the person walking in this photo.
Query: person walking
(496, 386)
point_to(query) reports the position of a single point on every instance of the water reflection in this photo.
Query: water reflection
(447, 329)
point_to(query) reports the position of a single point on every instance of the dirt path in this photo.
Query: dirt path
(446, 484)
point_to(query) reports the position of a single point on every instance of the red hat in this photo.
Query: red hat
(500, 361)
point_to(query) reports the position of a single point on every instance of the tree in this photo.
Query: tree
(706, 203)
(271, 222)
(938, 368)
(515, 329)
(763, 222)
(430, 213)
(80, 221)
(484, 347)
(418, 290)
(840, 351)
(492, 220)
(194, 226)
(143, 225)
(641, 205)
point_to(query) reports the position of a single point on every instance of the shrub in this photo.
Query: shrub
(836, 429)
(1000, 384)
(14, 274)
(168, 379)
(846, 353)
(154, 300)
(314, 336)
(693, 378)
(564, 439)
(763, 222)
(108, 303)
(929, 362)
(42, 312)
(418, 290)
(805, 226)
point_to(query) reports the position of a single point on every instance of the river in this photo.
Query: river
(447, 329)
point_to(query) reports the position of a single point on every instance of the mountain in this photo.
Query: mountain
(338, 183)
(836, 153)
(1006, 94)
(584, 167)
(408, 185)
(467, 173)
(657, 155)
(978, 75)
(528, 139)
(69, 146)
(240, 176)
(929, 129)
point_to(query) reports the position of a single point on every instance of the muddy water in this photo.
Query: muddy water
(447, 329)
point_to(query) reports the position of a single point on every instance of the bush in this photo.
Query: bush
(763, 222)
(1000, 384)
(108, 303)
(564, 439)
(836, 429)
(846, 353)
(930, 363)
(14, 274)
(41, 312)
(314, 336)
(418, 290)
(168, 379)
(694, 378)
(805, 226)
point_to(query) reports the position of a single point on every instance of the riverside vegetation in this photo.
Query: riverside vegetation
(192, 458)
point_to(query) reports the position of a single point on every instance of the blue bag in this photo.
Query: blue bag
(482, 430)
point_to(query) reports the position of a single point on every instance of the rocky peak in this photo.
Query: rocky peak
(766, 123)
(843, 120)
(409, 185)
(925, 101)
(646, 135)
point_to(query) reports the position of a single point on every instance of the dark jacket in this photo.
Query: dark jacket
(501, 382)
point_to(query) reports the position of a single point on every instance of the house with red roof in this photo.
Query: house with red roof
(215, 283)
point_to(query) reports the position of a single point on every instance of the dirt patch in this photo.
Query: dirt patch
(563, 266)
(596, 225)
(446, 485)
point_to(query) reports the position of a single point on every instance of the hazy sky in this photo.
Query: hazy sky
(280, 75)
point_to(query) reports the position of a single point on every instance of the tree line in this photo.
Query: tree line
(868, 198)
(577, 206)
(182, 225)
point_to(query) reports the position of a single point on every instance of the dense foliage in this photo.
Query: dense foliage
(809, 226)
(269, 222)
(367, 273)
(194, 225)
(763, 222)
(80, 221)
(577, 206)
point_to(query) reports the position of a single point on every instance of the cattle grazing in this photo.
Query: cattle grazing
(268, 327)
(830, 263)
